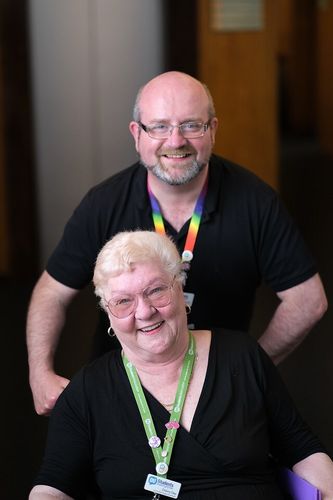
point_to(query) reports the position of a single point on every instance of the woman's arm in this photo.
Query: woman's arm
(293, 442)
(42, 492)
(317, 469)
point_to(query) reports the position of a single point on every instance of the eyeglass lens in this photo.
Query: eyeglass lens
(123, 305)
(189, 130)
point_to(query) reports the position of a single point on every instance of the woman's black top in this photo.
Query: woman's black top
(243, 418)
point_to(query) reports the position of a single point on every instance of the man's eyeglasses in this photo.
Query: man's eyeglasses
(189, 130)
(123, 305)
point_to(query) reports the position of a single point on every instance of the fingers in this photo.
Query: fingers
(47, 392)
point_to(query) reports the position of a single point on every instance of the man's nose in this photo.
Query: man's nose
(176, 138)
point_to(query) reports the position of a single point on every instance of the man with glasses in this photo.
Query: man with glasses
(229, 226)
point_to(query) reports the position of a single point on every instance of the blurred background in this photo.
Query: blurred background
(69, 73)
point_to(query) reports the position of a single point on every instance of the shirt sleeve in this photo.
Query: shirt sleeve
(72, 262)
(284, 259)
(67, 459)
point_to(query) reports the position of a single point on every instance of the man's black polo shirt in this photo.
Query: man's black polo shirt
(245, 237)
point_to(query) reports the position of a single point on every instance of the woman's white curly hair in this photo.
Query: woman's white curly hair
(126, 249)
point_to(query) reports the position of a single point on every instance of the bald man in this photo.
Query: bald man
(231, 230)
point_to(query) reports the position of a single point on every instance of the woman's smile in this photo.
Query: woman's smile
(151, 329)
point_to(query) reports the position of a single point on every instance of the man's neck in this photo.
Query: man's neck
(177, 203)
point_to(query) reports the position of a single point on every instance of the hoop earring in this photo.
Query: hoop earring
(109, 332)
(187, 309)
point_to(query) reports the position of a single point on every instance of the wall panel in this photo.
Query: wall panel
(324, 89)
(4, 243)
(240, 68)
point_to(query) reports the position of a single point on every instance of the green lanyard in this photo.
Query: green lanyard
(162, 456)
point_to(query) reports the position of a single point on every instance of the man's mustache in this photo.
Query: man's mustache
(177, 151)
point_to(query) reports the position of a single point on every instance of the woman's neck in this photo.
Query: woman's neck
(168, 363)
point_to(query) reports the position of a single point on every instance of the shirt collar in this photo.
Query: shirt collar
(215, 174)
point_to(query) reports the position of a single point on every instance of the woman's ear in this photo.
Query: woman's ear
(111, 332)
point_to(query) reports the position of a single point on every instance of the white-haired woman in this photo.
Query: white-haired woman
(194, 415)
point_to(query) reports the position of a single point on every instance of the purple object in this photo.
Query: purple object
(296, 487)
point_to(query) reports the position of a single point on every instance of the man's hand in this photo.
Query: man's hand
(46, 317)
(46, 388)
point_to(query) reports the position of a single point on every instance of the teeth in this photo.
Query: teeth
(176, 156)
(150, 328)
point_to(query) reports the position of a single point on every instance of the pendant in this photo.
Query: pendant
(187, 256)
(161, 468)
(154, 442)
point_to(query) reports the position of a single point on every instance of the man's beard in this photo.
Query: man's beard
(183, 177)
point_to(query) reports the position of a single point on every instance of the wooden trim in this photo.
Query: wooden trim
(180, 26)
(18, 139)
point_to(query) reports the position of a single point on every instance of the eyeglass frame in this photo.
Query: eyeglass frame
(146, 299)
(147, 129)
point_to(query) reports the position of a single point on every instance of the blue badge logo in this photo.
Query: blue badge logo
(152, 480)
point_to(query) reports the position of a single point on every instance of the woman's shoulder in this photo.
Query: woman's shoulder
(96, 373)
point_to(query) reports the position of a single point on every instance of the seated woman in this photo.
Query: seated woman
(203, 414)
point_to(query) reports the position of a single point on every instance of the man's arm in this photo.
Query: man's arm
(46, 318)
(299, 310)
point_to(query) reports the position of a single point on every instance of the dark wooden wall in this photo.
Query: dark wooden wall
(17, 153)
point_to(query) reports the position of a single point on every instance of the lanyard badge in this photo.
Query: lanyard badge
(161, 486)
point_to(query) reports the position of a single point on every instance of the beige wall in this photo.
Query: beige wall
(240, 68)
(88, 60)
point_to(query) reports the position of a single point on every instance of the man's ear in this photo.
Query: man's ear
(213, 128)
(134, 128)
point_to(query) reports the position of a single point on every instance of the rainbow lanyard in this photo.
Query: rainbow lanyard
(192, 233)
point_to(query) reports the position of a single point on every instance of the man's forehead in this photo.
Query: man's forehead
(168, 86)
(162, 103)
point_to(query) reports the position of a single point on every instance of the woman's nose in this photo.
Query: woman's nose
(144, 309)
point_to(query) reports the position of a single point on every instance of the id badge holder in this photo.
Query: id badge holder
(189, 298)
(162, 486)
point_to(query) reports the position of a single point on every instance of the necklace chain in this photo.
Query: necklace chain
(169, 406)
